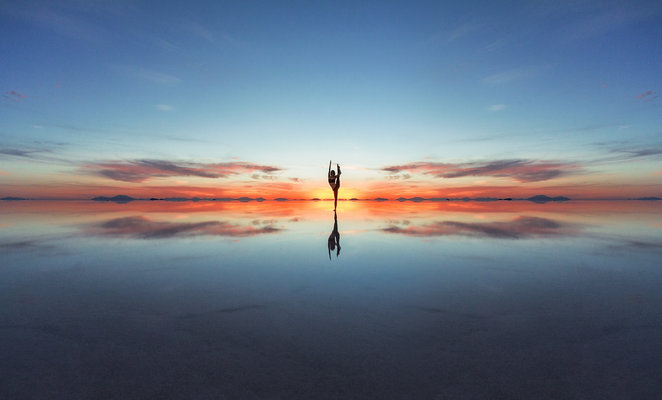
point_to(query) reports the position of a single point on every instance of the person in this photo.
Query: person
(334, 237)
(334, 182)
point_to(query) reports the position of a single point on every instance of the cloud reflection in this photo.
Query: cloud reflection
(520, 228)
(144, 228)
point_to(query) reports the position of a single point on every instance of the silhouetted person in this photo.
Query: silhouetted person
(334, 237)
(334, 182)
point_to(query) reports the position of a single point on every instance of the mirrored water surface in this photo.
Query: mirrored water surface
(281, 300)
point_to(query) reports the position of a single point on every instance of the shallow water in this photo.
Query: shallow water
(212, 300)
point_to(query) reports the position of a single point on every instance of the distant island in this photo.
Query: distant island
(121, 198)
(10, 198)
(652, 198)
(541, 198)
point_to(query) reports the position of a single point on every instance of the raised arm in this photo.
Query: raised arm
(329, 166)
(338, 165)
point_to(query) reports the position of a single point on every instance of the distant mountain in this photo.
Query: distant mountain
(10, 198)
(652, 198)
(541, 198)
(380, 199)
(486, 199)
(280, 199)
(121, 198)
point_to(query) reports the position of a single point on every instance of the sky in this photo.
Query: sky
(251, 98)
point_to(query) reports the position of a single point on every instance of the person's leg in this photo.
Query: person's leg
(335, 199)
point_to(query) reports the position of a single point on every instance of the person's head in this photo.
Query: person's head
(332, 173)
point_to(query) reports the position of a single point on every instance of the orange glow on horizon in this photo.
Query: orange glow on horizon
(354, 189)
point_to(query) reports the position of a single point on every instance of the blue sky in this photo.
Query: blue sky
(293, 84)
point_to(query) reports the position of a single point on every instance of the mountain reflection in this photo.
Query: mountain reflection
(142, 227)
(519, 228)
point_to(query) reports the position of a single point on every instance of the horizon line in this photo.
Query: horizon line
(415, 199)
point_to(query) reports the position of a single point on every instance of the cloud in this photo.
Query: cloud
(497, 107)
(519, 170)
(15, 96)
(515, 75)
(43, 152)
(398, 177)
(164, 107)
(19, 152)
(144, 228)
(462, 31)
(644, 152)
(647, 96)
(297, 180)
(143, 170)
(522, 227)
(30, 246)
(634, 153)
(149, 75)
(265, 177)
(201, 31)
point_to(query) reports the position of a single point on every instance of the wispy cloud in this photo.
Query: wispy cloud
(15, 96)
(164, 107)
(643, 152)
(519, 170)
(201, 31)
(462, 30)
(647, 96)
(521, 227)
(497, 107)
(25, 245)
(623, 153)
(143, 170)
(144, 228)
(515, 74)
(398, 177)
(264, 177)
(213, 37)
(27, 153)
(43, 151)
(157, 77)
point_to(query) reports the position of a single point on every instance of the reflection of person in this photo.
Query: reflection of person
(334, 237)
(334, 182)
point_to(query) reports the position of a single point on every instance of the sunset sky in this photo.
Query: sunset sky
(247, 98)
